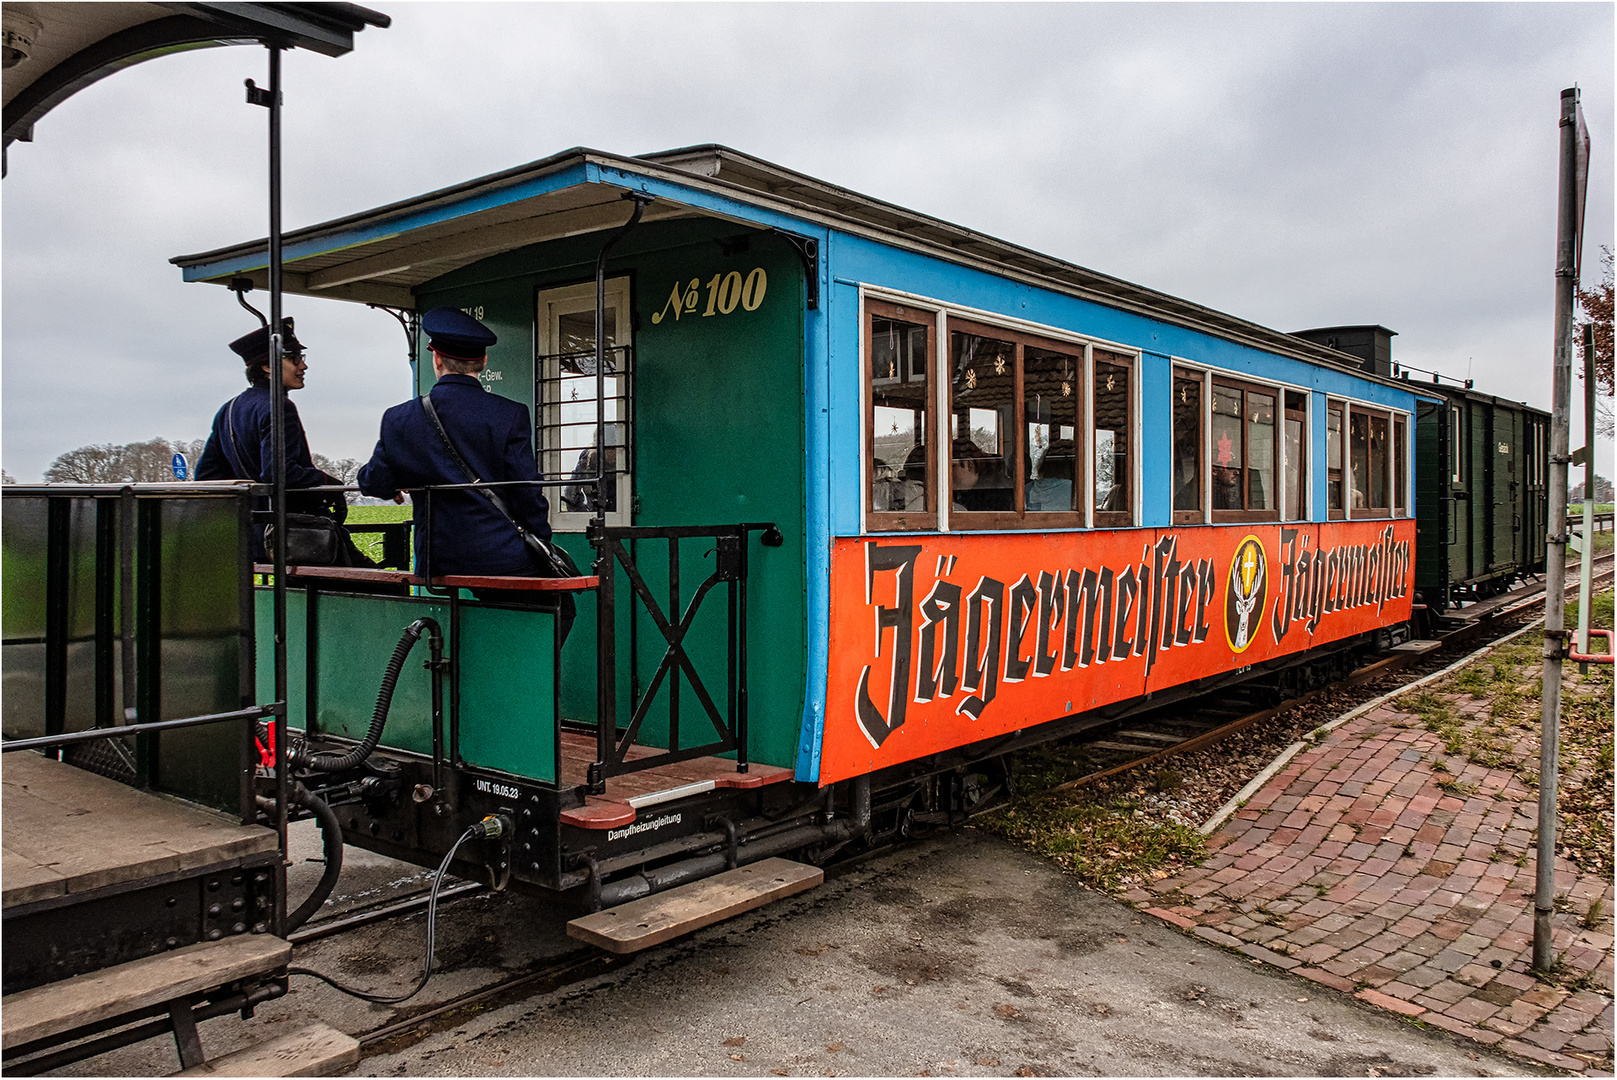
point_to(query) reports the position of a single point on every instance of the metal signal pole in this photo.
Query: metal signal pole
(270, 98)
(1568, 215)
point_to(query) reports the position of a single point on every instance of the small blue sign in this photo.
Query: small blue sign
(179, 467)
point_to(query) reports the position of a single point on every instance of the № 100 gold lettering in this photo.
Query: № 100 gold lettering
(725, 292)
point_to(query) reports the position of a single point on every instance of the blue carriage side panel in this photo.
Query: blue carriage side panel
(1156, 440)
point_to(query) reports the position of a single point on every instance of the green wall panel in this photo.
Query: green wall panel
(508, 690)
(505, 664)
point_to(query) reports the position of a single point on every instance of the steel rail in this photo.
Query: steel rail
(365, 916)
(573, 967)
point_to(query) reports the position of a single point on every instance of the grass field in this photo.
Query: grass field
(359, 516)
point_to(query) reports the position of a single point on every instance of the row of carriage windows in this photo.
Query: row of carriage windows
(1041, 433)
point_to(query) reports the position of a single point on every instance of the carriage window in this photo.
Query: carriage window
(1367, 457)
(567, 435)
(1228, 451)
(1333, 459)
(1052, 384)
(900, 403)
(982, 424)
(1400, 464)
(1187, 445)
(1015, 413)
(1260, 451)
(1296, 422)
(1114, 414)
(1243, 450)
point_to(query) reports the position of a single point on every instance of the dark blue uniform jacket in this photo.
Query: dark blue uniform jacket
(248, 415)
(495, 436)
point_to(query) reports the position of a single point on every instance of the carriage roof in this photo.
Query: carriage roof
(381, 255)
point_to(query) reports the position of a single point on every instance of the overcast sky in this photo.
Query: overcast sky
(1299, 165)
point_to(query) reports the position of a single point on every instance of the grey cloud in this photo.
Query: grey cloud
(1297, 164)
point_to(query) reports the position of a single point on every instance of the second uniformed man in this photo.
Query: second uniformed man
(492, 435)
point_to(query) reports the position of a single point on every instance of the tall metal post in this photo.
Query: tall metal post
(278, 447)
(1549, 767)
(1587, 566)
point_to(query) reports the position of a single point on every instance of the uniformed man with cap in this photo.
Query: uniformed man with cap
(492, 436)
(240, 446)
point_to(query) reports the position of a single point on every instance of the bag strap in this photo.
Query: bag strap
(488, 493)
(231, 450)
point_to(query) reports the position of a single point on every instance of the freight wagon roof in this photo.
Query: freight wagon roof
(381, 255)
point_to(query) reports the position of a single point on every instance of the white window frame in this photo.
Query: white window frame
(550, 304)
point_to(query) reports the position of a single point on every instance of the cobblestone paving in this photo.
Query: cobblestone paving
(1362, 867)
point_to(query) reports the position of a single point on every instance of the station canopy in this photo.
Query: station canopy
(52, 50)
(380, 256)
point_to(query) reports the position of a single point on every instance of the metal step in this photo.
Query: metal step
(652, 920)
(82, 1000)
(316, 1050)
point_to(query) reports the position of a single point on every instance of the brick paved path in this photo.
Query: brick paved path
(1354, 868)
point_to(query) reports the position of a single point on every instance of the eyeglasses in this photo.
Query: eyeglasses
(294, 357)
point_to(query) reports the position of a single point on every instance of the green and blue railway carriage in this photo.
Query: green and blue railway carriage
(818, 415)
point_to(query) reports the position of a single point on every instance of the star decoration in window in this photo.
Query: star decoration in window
(971, 378)
(1111, 382)
(1066, 389)
(999, 365)
(1226, 450)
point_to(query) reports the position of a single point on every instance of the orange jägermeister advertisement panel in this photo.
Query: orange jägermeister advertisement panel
(940, 641)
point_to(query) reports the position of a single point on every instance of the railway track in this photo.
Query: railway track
(1138, 742)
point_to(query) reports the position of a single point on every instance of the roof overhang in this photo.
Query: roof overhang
(381, 255)
(54, 50)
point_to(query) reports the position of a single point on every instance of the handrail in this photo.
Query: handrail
(452, 581)
(73, 738)
(1595, 658)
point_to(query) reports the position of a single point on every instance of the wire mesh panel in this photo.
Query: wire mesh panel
(572, 402)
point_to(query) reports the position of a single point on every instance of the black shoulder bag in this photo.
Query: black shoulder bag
(317, 539)
(551, 560)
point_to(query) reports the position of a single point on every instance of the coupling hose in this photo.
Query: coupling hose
(332, 762)
(331, 844)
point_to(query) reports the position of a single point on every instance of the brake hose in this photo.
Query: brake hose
(487, 829)
(331, 762)
(331, 842)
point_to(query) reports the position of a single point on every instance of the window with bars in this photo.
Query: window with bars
(582, 419)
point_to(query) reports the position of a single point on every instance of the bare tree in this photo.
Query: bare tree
(344, 469)
(101, 463)
(7, 478)
(148, 462)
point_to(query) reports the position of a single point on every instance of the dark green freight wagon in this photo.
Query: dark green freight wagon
(1483, 464)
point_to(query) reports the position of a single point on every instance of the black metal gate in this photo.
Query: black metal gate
(725, 711)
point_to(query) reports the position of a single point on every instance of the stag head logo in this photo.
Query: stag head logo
(1248, 586)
